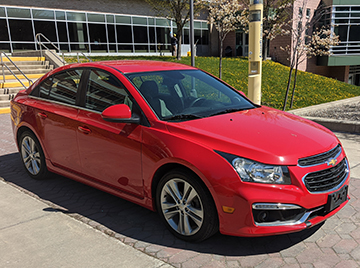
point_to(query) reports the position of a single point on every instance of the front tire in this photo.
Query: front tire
(33, 156)
(186, 206)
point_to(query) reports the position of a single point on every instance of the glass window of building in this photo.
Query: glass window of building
(76, 16)
(21, 30)
(2, 12)
(124, 34)
(96, 17)
(91, 31)
(43, 14)
(60, 15)
(18, 12)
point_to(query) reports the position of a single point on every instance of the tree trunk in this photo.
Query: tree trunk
(288, 87)
(221, 56)
(293, 91)
(265, 48)
(178, 51)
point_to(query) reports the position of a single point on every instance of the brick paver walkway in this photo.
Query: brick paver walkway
(332, 244)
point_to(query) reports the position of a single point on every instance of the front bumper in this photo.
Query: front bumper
(262, 210)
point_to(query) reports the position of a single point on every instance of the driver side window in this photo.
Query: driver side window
(104, 90)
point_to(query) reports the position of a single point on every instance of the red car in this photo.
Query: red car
(177, 140)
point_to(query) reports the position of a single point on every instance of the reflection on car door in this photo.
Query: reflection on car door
(110, 152)
(56, 113)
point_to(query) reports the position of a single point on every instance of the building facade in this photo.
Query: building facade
(107, 27)
(343, 18)
(130, 27)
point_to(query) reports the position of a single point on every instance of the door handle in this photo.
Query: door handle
(42, 115)
(84, 130)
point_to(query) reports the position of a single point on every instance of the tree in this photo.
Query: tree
(304, 45)
(177, 11)
(226, 16)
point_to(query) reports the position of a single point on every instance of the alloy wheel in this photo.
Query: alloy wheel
(182, 207)
(31, 155)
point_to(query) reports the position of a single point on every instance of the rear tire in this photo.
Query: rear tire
(186, 206)
(33, 156)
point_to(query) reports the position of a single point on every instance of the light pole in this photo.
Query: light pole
(255, 50)
(192, 33)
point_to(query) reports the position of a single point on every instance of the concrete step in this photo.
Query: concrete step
(4, 103)
(11, 90)
(20, 76)
(28, 71)
(7, 97)
(21, 63)
(14, 83)
(29, 67)
(24, 59)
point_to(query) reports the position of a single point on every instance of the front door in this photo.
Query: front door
(110, 152)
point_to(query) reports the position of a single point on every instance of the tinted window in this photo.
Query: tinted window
(44, 88)
(61, 87)
(187, 94)
(64, 87)
(105, 90)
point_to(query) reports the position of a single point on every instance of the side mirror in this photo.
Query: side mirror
(119, 113)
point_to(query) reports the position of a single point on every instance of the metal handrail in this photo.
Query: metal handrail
(7, 67)
(82, 53)
(38, 41)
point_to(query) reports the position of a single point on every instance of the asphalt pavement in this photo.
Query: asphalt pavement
(62, 223)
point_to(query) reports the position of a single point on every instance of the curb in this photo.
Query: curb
(337, 125)
(332, 124)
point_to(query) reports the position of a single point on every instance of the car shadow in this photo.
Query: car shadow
(131, 223)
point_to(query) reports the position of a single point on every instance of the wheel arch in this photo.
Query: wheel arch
(20, 131)
(24, 128)
(161, 171)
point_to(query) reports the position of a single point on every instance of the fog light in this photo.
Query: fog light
(262, 216)
(272, 214)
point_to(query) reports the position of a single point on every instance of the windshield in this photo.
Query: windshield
(187, 94)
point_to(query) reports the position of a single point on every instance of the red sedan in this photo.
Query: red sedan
(177, 140)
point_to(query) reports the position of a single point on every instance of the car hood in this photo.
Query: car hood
(263, 134)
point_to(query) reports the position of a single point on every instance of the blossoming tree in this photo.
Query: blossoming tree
(226, 16)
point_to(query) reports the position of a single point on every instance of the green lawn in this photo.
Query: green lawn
(311, 89)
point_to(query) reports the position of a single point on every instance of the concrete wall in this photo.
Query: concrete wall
(230, 41)
(276, 54)
(340, 73)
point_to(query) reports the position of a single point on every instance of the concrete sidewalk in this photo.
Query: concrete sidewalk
(33, 234)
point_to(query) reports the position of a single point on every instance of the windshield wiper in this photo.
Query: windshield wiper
(227, 111)
(182, 117)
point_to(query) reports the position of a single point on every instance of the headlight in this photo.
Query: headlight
(251, 171)
(256, 172)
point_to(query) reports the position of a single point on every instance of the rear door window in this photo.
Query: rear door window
(65, 86)
(61, 87)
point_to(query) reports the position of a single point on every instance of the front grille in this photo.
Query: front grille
(320, 158)
(327, 179)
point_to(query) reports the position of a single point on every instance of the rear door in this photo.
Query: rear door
(110, 152)
(56, 112)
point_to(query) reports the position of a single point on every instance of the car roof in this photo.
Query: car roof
(135, 66)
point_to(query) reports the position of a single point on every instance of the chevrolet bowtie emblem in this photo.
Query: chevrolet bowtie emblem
(331, 161)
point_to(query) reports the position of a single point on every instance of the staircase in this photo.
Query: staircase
(32, 67)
